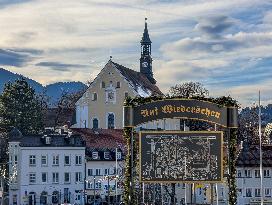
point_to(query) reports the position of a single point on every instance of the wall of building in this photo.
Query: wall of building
(24, 188)
(101, 107)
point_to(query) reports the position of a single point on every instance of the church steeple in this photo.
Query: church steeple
(146, 59)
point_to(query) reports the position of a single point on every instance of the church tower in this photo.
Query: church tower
(146, 59)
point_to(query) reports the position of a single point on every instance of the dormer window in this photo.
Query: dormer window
(106, 155)
(94, 97)
(118, 84)
(95, 155)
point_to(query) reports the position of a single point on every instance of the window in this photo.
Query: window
(266, 173)
(257, 173)
(110, 121)
(103, 85)
(56, 160)
(95, 155)
(97, 172)
(119, 155)
(44, 160)
(267, 192)
(257, 192)
(44, 177)
(15, 159)
(55, 176)
(78, 160)
(90, 172)
(248, 192)
(66, 160)
(126, 94)
(106, 155)
(32, 178)
(94, 97)
(106, 171)
(78, 177)
(95, 123)
(118, 84)
(247, 173)
(32, 160)
(66, 177)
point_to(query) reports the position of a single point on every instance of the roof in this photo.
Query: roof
(138, 81)
(250, 156)
(146, 38)
(102, 138)
(56, 140)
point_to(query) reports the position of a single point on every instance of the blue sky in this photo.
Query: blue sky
(225, 45)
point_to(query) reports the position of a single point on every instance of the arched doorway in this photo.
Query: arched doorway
(95, 123)
(111, 121)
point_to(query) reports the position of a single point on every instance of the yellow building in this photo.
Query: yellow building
(101, 106)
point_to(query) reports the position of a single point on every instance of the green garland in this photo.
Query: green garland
(221, 101)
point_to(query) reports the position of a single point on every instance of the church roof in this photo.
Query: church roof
(138, 81)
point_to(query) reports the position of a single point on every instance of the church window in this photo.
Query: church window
(103, 85)
(118, 84)
(94, 97)
(95, 123)
(110, 121)
(126, 94)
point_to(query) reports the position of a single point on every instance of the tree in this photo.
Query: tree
(248, 130)
(188, 89)
(66, 103)
(20, 108)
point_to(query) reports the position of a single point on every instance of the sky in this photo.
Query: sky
(224, 44)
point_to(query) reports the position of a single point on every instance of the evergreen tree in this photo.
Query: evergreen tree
(20, 108)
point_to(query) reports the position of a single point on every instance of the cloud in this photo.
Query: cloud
(59, 66)
(214, 26)
(4, 3)
(190, 41)
(12, 58)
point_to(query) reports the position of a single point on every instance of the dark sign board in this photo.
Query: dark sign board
(176, 156)
(181, 108)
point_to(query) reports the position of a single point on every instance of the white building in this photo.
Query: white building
(46, 169)
(101, 164)
(248, 176)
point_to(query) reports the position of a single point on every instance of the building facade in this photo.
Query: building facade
(249, 189)
(105, 163)
(46, 169)
(101, 106)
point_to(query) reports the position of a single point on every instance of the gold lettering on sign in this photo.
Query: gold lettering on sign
(168, 109)
(151, 112)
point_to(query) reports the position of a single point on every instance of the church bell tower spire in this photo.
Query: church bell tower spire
(146, 59)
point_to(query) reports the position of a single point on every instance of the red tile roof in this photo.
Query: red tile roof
(102, 138)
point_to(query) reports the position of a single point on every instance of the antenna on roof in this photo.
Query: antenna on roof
(110, 58)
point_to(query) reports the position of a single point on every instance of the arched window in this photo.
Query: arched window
(43, 198)
(95, 123)
(110, 121)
